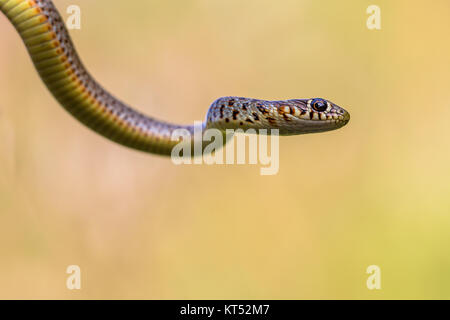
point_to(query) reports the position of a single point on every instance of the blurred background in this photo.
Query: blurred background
(375, 192)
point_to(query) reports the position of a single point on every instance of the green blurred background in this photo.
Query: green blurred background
(374, 192)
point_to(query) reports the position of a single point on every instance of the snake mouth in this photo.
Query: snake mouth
(312, 126)
(345, 118)
(304, 125)
(342, 120)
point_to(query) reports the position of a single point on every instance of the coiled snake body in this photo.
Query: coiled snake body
(56, 60)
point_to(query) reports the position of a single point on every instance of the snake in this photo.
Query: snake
(57, 62)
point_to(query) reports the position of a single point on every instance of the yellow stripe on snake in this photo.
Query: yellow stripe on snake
(48, 42)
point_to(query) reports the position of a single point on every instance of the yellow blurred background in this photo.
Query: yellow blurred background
(375, 192)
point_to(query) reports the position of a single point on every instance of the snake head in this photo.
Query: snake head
(290, 117)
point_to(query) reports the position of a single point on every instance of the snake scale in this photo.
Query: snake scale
(54, 56)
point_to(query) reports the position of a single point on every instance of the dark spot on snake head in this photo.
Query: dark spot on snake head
(262, 109)
(231, 103)
(235, 113)
(271, 120)
(319, 105)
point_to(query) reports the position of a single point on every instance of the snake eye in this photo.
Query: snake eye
(319, 105)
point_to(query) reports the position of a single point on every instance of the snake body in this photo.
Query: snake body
(54, 56)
